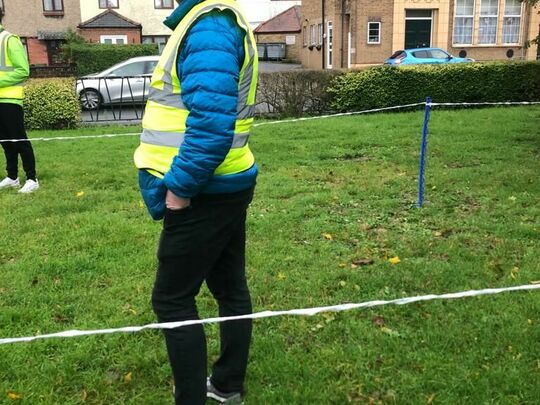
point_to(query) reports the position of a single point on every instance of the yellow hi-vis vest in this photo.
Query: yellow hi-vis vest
(6, 66)
(164, 122)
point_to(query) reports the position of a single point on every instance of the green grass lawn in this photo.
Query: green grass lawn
(80, 254)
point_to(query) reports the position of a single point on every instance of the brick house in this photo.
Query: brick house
(128, 21)
(280, 33)
(110, 27)
(42, 25)
(365, 32)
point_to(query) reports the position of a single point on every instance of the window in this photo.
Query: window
(312, 37)
(113, 39)
(164, 3)
(132, 69)
(161, 41)
(421, 54)
(305, 35)
(330, 47)
(463, 22)
(53, 6)
(489, 15)
(320, 33)
(438, 54)
(512, 22)
(108, 3)
(374, 33)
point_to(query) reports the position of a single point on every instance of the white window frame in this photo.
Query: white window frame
(320, 33)
(494, 17)
(379, 27)
(312, 35)
(471, 16)
(113, 38)
(329, 44)
(520, 16)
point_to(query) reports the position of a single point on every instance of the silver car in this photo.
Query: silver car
(125, 83)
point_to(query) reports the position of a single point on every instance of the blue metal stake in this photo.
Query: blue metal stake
(427, 113)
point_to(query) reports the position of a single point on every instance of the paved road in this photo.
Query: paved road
(133, 114)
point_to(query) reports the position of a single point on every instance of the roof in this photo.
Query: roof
(287, 21)
(50, 35)
(109, 19)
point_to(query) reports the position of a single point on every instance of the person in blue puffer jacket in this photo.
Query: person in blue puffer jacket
(197, 172)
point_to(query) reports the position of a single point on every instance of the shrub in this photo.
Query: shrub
(471, 82)
(51, 104)
(91, 58)
(295, 93)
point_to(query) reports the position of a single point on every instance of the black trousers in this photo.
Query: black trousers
(12, 127)
(204, 242)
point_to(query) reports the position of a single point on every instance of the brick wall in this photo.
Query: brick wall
(37, 51)
(53, 71)
(94, 34)
(292, 52)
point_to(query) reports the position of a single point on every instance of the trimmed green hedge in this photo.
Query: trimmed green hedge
(93, 58)
(386, 86)
(51, 104)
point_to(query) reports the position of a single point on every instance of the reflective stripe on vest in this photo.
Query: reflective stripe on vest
(6, 66)
(164, 122)
(174, 139)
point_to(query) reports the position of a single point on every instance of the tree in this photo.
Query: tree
(533, 3)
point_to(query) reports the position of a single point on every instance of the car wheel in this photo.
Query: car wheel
(90, 100)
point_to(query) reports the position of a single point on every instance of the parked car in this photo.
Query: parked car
(419, 56)
(127, 83)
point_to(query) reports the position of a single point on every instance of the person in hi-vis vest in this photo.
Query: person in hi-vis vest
(14, 70)
(197, 173)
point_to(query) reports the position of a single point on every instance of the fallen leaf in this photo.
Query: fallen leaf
(80, 193)
(430, 399)
(141, 204)
(394, 260)
(342, 283)
(14, 396)
(379, 321)
(363, 262)
(390, 332)
(128, 377)
(281, 276)
(514, 272)
(530, 321)
(512, 198)
(84, 396)
(327, 236)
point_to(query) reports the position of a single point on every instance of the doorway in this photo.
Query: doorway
(418, 28)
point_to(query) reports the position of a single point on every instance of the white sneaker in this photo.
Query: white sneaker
(29, 187)
(8, 182)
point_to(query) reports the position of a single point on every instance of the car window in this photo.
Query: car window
(150, 66)
(438, 54)
(421, 54)
(133, 69)
(397, 54)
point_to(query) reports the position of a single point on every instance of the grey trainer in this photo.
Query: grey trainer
(222, 397)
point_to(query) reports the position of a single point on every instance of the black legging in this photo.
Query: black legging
(12, 127)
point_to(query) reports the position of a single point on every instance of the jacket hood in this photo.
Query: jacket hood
(180, 12)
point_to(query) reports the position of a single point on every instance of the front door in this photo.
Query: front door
(417, 34)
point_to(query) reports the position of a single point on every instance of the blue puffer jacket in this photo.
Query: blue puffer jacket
(209, 66)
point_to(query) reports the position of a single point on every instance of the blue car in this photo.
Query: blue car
(422, 56)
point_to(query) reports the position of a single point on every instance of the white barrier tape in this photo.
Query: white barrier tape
(70, 138)
(269, 314)
(486, 103)
(339, 114)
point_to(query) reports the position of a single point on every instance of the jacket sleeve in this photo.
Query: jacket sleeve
(209, 70)
(21, 71)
